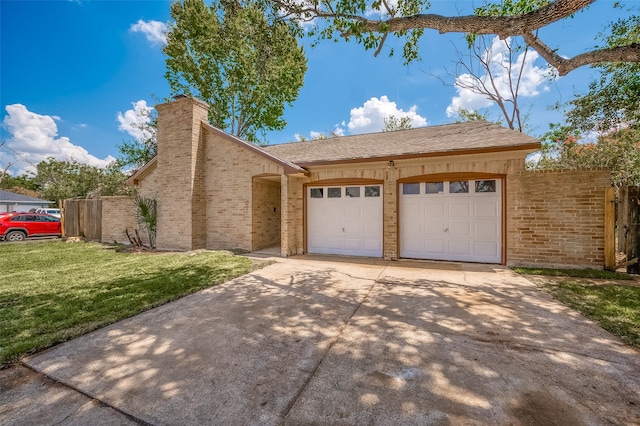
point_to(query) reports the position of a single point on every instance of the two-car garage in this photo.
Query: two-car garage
(458, 220)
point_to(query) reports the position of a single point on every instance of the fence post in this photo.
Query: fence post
(609, 228)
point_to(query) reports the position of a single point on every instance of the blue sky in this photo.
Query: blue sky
(71, 73)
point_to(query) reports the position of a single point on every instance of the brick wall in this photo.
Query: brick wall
(506, 163)
(556, 219)
(118, 214)
(180, 166)
(266, 210)
(230, 172)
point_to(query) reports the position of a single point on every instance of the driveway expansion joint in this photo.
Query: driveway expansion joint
(92, 398)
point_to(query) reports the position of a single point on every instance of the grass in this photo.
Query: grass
(614, 306)
(52, 291)
(578, 273)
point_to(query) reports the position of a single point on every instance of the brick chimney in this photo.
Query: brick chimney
(180, 174)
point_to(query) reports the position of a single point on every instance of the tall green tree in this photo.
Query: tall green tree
(59, 180)
(237, 56)
(613, 99)
(371, 22)
(618, 151)
(138, 152)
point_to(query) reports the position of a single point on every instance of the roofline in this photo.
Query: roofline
(134, 178)
(529, 147)
(37, 201)
(289, 167)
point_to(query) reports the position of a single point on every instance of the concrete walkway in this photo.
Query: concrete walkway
(325, 340)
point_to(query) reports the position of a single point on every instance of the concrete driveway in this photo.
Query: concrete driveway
(325, 340)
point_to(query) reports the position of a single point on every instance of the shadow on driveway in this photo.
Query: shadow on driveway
(322, 340)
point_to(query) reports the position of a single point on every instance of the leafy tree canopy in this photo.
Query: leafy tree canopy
(370, 22)
(239, 58)
(138, 152)
(392, 123)
(618, 151)
(59, 180)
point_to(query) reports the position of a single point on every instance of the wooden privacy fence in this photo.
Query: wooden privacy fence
(629, 226)
(83, 218)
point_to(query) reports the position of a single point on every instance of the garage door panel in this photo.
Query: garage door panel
(344, 225)
(487, 228)
(488, 209)
(444, 226)
(486, 248)
(432, 227)
(353, 227)
(433, 209)
(352, 211)
(459, 209)
(372, 244)
(434, 246)
(459, 247)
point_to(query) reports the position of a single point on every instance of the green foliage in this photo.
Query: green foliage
(239, 58)
(464, 115)
(615, 307)
(54, 291)
(578, 273)
(59, 180)
(618, 151)
(393, 123)
(147, 216)
(25, 181)
(613, 99)
(136, 153)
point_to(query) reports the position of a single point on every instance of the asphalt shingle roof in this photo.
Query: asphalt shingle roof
(13, 197)
(449, 138)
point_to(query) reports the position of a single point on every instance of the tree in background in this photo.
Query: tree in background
(137, 152)
(610, 110)
(618, 151)
(371, 22)
(393, 123)
(239, 58)
(613, 99)
(60, 180)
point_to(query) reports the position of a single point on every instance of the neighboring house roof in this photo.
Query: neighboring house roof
(449, 139)
(12, 197)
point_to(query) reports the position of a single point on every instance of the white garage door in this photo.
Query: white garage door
(345, 220)
(452, 220)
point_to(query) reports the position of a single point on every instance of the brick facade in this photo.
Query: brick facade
(556, 219)
(224, 193)
(118, 215)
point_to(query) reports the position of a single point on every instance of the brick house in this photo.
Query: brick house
(452, 192)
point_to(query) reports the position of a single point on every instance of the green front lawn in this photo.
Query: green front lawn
(52, 291)
(614, 305)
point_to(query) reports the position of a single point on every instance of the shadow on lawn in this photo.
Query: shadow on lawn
(51, 317)
(338, 345)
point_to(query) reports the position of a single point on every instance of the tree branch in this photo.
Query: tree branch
(629, 53)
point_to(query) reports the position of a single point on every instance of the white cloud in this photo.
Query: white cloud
(370, 116)
(134, 121)
(532, 80)
(155, 31)
(34, 138)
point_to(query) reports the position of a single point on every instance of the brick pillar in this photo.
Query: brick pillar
(180, 169)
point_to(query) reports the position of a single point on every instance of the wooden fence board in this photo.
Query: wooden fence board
(83, 218)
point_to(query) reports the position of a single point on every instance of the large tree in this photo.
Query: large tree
(407, 19)
(59, 180)
(612, 100)
(238, 57)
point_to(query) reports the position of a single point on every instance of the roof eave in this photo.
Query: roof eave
(289, 167)
(525, 147)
